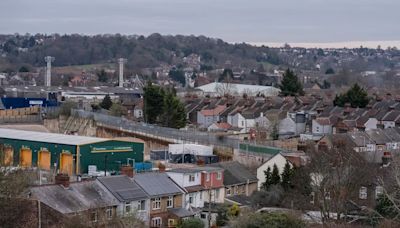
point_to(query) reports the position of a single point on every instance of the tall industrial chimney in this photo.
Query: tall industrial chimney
(121, 62)
(49, 60)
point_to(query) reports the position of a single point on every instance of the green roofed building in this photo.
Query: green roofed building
(67, 153)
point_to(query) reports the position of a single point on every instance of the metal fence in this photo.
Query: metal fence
(171, 134)
(24, 119)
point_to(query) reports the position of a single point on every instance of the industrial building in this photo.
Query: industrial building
(66, 153)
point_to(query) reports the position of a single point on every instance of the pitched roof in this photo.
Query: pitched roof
(79, 196)
(235, 173)
(223, 125)
(157, 184)
(212, 112)
(123, 188)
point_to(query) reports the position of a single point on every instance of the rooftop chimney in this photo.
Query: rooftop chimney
(127, 170)
(62, 179)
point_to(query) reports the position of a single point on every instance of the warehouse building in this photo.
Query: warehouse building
(66, 153)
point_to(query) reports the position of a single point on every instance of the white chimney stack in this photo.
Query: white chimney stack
(121, 62)
(49, 60)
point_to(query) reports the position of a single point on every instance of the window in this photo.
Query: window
(156, 203)
(201, 195)
(93, 217)
(191, 178)
(378, 191)
(216, 194)
(236, 189)
(203, 216)
(171, 222)
(109, 213)
(327, 195)
(156, 222)
(190, 199)
(312, 198)
(141, 205)
(219, 176)
(207, 177)
(128, 208)
(170, 202)
(228, 191)
(363, 193)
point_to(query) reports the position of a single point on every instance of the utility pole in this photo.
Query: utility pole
(121, 62)
(49, 60)
(105, 165)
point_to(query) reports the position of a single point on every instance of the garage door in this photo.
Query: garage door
(25, 157)
(8, 156)
(44, 160)
(66, 163)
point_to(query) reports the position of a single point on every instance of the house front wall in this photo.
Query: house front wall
(142, 214)
(194, 200)
(287, 125)
(280, 162)
(318, 129)
(389, 124)
(184, 179)
(215, 195)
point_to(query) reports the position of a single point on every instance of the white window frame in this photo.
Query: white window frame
(156, 204)
(228, 191)
(170, 202)
(156, 222)
(139, 207)
(191, 199)
(109, 213)
(191, 178)
(363, 193)
(378, 191)
(219, 175)
(128, 205)
(95, 216)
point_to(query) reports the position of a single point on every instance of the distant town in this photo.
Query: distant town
(191, 131)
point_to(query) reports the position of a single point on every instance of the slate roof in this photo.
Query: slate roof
(181, 212)
(157, 184)
(378, 136)
(123, 188)
(235, 173)
(78, 197)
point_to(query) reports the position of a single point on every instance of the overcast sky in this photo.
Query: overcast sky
(231, 20)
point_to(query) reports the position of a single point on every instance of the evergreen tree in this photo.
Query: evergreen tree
(173, 113)
(107, 102)
(268, 181)
(290, 85)
(356, 96)
(275, 176)
(102, 76)
(153, 102)
(287, 176)
(274, 133)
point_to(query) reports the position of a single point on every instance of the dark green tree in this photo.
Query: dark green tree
(275, 176)
(268, 180)
(178, 76)
(173, 113)
(291, 85)
(191, 223)
(102, 76)
(356, 96)
(226, 75)
(153, 102)
(329, 71)
(106, 103)
(275, 133)
(287, 175)
(385, 207)
(23, 69)
(268, 220)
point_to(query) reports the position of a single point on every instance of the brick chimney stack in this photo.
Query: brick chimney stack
(127, 170)
(62, 179)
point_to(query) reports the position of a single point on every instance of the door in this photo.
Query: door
(44, 159)
(66, 163)
(25, 157)
(8, 156)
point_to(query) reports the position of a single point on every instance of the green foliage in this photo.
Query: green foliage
(178, 76)
(222, 216)
(226, 75)
(153, 102)
(106, 103)
(385, 207)
(234, 210)
(287, 175)
(355, 96)
(102, 76)
(23, 69)
(268, 220)
(117, 109)
(163, 106)
(329, 71)
(275, 176)
(271, 197)
(290, 85)
(275, 133)
(173, 113)
(191, 223)
(268, 181)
